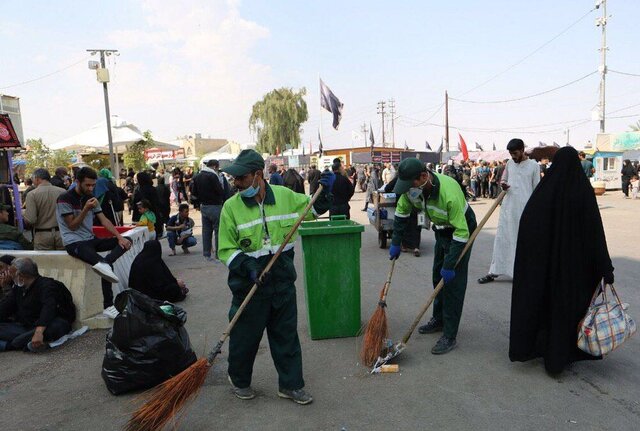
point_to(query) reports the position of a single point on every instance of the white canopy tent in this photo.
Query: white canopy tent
(95, 138)
(227, 152)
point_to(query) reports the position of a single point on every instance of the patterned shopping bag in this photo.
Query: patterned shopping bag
(606, 325)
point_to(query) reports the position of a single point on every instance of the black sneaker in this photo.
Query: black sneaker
(431, 327)
(444, 345)
(242, 393)
(298, 396)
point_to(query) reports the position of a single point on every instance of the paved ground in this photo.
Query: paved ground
(474, 387)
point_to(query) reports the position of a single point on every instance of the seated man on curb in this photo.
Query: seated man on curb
(41, 310)
(75, 211)
(10, 237)
(180, 230)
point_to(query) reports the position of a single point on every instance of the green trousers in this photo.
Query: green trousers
(279, 315)
(447, 306)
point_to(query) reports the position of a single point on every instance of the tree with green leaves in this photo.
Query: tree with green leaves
(40, 156)
(134, 157)
(635, 127)
(276, 119)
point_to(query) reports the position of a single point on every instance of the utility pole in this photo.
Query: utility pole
(602, 22)
(446, 120)
(381, 112)
(364, 133)
(103, 76)
(392, 111)
(567, 133)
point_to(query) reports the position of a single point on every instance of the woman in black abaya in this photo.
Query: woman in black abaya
(561, 258)
(151, 276)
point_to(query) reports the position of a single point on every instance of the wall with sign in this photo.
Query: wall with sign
(618, 141)
(160, 155)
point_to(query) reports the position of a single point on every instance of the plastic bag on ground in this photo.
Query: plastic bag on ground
(146, 345)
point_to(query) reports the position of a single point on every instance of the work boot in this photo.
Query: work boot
(298, 396)
(444, 345)
(431, 327)
(242, 393)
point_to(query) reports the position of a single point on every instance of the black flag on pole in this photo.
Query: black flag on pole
(439, 150)
(494, 146)
(320, 145)
(427, 146)
(541, 144)
(331, 103)
(373, 142)
(555, 144)
(406, 147)
(479, 147)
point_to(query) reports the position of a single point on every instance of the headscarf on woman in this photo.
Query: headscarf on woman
(145, 190)
(102, 183)
(151, 276)
(105, 173)
(561, 257)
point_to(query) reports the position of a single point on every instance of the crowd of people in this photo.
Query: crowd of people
(247, 210)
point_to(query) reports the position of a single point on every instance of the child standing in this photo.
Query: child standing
(635, 184)
(147, 217)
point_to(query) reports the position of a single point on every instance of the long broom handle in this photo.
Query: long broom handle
(214, 352)
(464, 251)
(387, 284)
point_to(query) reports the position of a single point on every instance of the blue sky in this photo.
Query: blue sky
(198, 66)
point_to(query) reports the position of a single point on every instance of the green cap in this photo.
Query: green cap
(408, 171)
(246, 162)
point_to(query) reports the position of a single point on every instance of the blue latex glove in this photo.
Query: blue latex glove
(394, 252)
(447, 275)
(253, 276)
(327, 178)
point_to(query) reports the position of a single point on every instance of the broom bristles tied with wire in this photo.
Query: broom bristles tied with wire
(377, 331)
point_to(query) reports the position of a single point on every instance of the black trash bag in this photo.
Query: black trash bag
(146, 346)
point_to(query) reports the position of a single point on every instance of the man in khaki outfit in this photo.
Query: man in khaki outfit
(40, 212)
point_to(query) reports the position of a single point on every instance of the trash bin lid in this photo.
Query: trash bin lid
(329, 227)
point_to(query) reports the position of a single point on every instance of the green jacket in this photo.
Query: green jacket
(447, 209)
(250, 234)
(11, 233)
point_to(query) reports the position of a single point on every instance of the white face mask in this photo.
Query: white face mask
(415, 192)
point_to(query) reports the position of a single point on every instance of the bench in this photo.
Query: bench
(83, 283)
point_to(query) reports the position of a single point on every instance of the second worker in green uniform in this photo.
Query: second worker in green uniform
(442, 199)
(253, 225)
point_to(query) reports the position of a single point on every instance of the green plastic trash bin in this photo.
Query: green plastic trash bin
(331, 251)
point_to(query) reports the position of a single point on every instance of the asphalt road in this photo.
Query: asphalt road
(475, 387)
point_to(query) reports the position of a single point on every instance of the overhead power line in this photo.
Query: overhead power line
(530, 54)
(43, 76)
(529, 96)
(624, 73)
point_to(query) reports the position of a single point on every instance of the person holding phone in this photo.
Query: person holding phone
(519, 179)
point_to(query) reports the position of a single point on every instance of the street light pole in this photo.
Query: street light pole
(113, 162)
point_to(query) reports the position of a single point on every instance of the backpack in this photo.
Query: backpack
(64, 301)
(483, 173)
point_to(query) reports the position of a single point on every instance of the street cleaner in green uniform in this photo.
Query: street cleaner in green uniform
(441, 197)
(253, 225)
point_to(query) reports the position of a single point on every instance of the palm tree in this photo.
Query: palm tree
(635, 127)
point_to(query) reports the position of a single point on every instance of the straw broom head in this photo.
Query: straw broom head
(375, 334)
(169, 398)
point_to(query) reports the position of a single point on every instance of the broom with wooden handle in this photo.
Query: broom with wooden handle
(399, 347)
(377, 331)
(170, 397)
